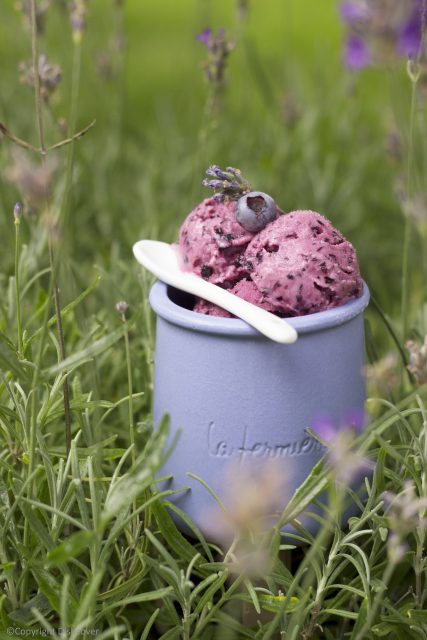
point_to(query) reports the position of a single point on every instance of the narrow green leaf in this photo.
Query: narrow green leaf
(70, 548)
(51, 588)
(341, 613)
(359, 568)
(86, 354)
(203, 585)
(172, 634)
(123, 492)
(346, 587)
(209, 490)
(167, 557)
(123, 589)
(364, 558)
(211, 591)
(418, 615)
(59, 513)
(88, 597)
(361, 618)
(37, 527)
(176, 541)
(198, 535)
(67, 309)
(253, 595)
(227, 621)
(313, 486)
(149, 624)
(383, 531)
(158, 594)
(9, 360)
(24, 615)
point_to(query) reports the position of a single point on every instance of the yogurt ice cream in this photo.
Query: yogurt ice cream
(296, 265)
(213, 243)
(245, 289)
(302, 265)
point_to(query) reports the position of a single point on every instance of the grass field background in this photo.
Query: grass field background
(302, 128)
(149, 118)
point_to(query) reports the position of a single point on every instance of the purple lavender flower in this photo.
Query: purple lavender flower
(379, 32)
(410, 35)
(214, 171)
(50, 75)
(327, 428)
(213, 184)
(218, 48)
(356, 419)
(230, 183)
(78, 13)
(357, 55)
(345, 461)
(352, 12)
(17, 211)
(205, 37)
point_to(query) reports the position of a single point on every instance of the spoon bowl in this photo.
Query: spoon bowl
(162, 260)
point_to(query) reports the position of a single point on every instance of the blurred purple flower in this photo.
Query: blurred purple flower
(410, 35)
(255, 495)
(24, 6)
(406, 513)
(218, 49)
(34, 181)
(345, 461)
(379, 32)
(357, 56)
(325, 428)
(352, 12)
(356, 419)
(418, 360)
(78, 14)
(328, 429)
(50, 75)
(205, 37)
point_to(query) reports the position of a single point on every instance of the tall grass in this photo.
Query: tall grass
(87, 540)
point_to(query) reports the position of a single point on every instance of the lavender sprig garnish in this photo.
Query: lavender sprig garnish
(228, 184)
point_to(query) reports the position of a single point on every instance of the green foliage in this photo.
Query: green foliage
(88, 538)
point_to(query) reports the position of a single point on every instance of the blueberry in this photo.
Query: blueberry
(255, 210)
(206, 271)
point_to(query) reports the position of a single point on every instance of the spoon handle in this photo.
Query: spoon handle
(162, 261)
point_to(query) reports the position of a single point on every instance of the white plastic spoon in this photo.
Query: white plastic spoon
(161, 259)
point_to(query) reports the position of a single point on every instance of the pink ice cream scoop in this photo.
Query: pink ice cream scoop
(245, 289)
(297, 265)
(302, 265)
(212, 242)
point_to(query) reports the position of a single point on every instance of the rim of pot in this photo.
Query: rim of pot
(166, 308)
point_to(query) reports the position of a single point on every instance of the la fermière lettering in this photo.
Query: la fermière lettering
(261, 449)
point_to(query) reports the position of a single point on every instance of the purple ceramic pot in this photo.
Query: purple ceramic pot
(236, 396)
